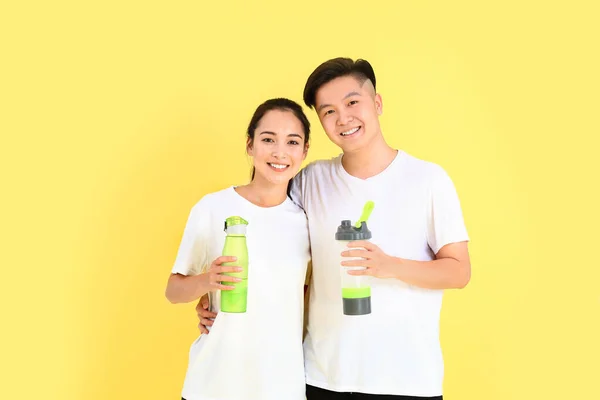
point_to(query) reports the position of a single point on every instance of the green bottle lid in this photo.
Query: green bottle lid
(235, 220)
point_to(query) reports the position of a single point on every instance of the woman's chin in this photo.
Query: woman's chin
(280, 180)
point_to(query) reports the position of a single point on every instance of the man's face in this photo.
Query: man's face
(349, 112)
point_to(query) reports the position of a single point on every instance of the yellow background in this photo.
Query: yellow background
(116, 116)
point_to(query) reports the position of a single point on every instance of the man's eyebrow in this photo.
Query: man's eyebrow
(322, 106)
(351, 94)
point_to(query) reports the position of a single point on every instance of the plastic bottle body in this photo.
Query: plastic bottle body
(356, 292)
(235, 301)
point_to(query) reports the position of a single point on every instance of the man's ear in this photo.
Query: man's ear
(378, 104)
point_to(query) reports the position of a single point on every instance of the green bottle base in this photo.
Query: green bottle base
(234, 301)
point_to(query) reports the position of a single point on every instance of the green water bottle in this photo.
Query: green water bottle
(356, 293)
(234, 301)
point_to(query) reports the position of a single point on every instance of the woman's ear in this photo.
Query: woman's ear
(306, 146)
(249, 148)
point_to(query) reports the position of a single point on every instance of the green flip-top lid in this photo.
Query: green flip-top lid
(235, 220)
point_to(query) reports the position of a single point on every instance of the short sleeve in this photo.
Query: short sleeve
(296, 192)
(445, 220)
(192, 254)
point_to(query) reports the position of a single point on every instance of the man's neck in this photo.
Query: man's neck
(370, 160)
(263, 193)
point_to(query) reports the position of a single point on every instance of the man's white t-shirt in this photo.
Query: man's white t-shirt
(255, 355)
(395, 349)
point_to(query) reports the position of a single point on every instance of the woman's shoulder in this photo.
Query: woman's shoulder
(216, 199)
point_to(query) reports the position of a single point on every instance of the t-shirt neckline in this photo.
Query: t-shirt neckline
(245, 200)
(396, 161)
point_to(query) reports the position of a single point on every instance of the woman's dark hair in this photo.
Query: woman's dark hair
(280, 104)
(336, 68)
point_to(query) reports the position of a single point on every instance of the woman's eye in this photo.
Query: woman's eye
(294, 142)
(267, 140)
(328, 112)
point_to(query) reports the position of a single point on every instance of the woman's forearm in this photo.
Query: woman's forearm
(184, 289)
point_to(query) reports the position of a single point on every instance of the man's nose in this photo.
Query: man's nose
(343, 118)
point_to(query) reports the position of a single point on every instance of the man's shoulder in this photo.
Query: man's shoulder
(311, 178)
(422, 168)
(319, 166)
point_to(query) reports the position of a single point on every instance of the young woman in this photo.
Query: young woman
(256, 355)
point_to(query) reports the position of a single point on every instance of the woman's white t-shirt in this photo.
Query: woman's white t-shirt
(255, 355)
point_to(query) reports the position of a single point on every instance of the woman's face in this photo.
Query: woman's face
(278, 147)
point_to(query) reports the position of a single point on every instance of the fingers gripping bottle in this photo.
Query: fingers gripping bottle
(234, 301)
(356, 294)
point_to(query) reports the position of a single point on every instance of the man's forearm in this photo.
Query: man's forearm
(443, 273)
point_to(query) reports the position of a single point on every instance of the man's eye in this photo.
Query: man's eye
(353, 102)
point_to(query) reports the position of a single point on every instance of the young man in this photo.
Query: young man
(418, 249)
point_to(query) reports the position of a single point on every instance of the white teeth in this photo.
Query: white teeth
(278, 166)
(350, 132)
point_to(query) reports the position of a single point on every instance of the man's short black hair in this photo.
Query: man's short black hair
(335, 68)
